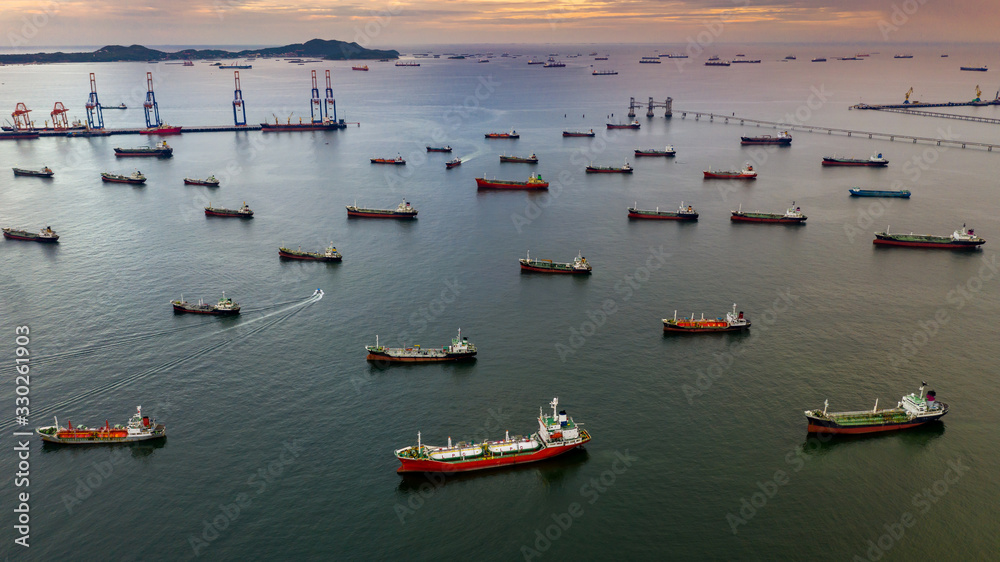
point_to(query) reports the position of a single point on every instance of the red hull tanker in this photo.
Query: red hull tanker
(535, 181)
(964, 239)
(459, 350)
(557, 434)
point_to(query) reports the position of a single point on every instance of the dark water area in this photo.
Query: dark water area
(280, 434)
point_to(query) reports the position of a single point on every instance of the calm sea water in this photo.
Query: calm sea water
(281, 435)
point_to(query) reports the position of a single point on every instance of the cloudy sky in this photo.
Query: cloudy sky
(42, 23)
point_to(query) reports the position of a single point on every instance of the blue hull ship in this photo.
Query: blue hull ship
(857, 192)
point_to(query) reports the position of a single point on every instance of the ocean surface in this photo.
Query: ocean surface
(281, 436)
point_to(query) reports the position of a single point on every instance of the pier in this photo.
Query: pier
(650, 105)
(911, 110)
(725, 119)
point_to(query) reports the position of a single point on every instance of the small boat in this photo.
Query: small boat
(681, 214)
(589, 133)
(162, 129)
(792, 215)
(600, 58)
(964, 239)
(974, 68)
(668, 151)
(162, 150)
(557, 434)
(210, 181)
(717, 63)
(625, 169)
(790, 57)
(858, 192)
(875, 161)
(362, 68)
(781, 139)
(452, 163)
(534, 181)
(459, 350)
(438, 149)
(134, 177)
(402, 211)
(579, 266)
(519, 159)
(119, 106)
(138, 428)
(633, 125)
(243, 212)
(511, 135)
(604, 72)
(819, 59)
(44, 235)
(226, 306)
(913, 410)
(733, 322)
(45, 172)
(747, 173)
(330, 254)
(398, 160)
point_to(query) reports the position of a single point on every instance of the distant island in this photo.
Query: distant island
(316, 48)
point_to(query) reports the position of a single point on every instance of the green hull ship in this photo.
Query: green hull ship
(579, 266)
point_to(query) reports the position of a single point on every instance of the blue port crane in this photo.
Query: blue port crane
(95, 119)
(150, 104)
(239, 111)
(330, 102)
(316, 110)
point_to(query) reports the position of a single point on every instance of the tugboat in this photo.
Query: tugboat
(782, 139)
(535, 181)
(398, 160)
(589, 133)
(578, 267)
(45, 172)
(858, 192)
(557, 434)
(162, 150)
(874, 161)
(459, 350)
(438, 149)
(626, 169)
(402, 211)
(138, 428)
(633, 125)
(959, 240)
(452, 163)
(210, 181)
(747, 173)
(519, 159)
(243, 212)
(44, 235)
(226, 306)
(668, 151)
(682, 214)
(793, 215)
(511, 135)
(733, 322)
(331, 254)
(912, 411)
(134, 177)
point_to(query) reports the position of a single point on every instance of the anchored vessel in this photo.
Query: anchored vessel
(747, 173)
(45, 172)
(363, 68)
(452, 163)
(959, 240)
(682, 214)
(330, 254)
(973, 68)
(633, 125)
(519, 159)
(162, 129)
(668, 151)
(557, 433)
(243, 212)
(535, 181)
(874, 161)
(402, 211)
(858, 192)
(912, 411)
(162, 150)
(733, 322)
(210, 181)
(604, 72)
(397, 160)
(226, 306)
(511, 135)
(781, 139)
(459, 350)
(324, 125)
(792, 215)
(438, 149)
(626, 169)
(44, 235)
(134, 177)
(138, 428)
(589, 133)
(579, 266)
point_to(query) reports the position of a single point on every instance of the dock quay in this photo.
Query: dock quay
(712, 117)
(912, 110)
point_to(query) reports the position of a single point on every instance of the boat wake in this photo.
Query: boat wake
(271, 319)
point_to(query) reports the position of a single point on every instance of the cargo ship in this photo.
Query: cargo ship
(324, 125)
(45, 172)
(667, 151)
(645, 60)
(438, 149)
(330, 254)
(589, 133)
(974, 68)
(403, 63)
(633, 125)
(534, 181)
(579, 266)
(210, 181)
(554, 64)
(858, 192)
(402, 211)
(243, 212)
(138, 428)
(819, 59)
(19, 135)
(511, 135)
(162, 150)
(747, 173)
(44, 235)
(964, 239)
(134, 177)
(625, 169)
(162, 129)
(913, 410)
(604, 73)
(557, 434)
(717, 63)
(459, 350)
(682, 214)
(362, 68)
(874, 161)
(519, 159)
(226, 306)
(793, 215)
(733, 322)
(902, 56)
(781, 139)
(398, 160)
(452, 163)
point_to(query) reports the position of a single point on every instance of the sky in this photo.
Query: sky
(391, 23)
